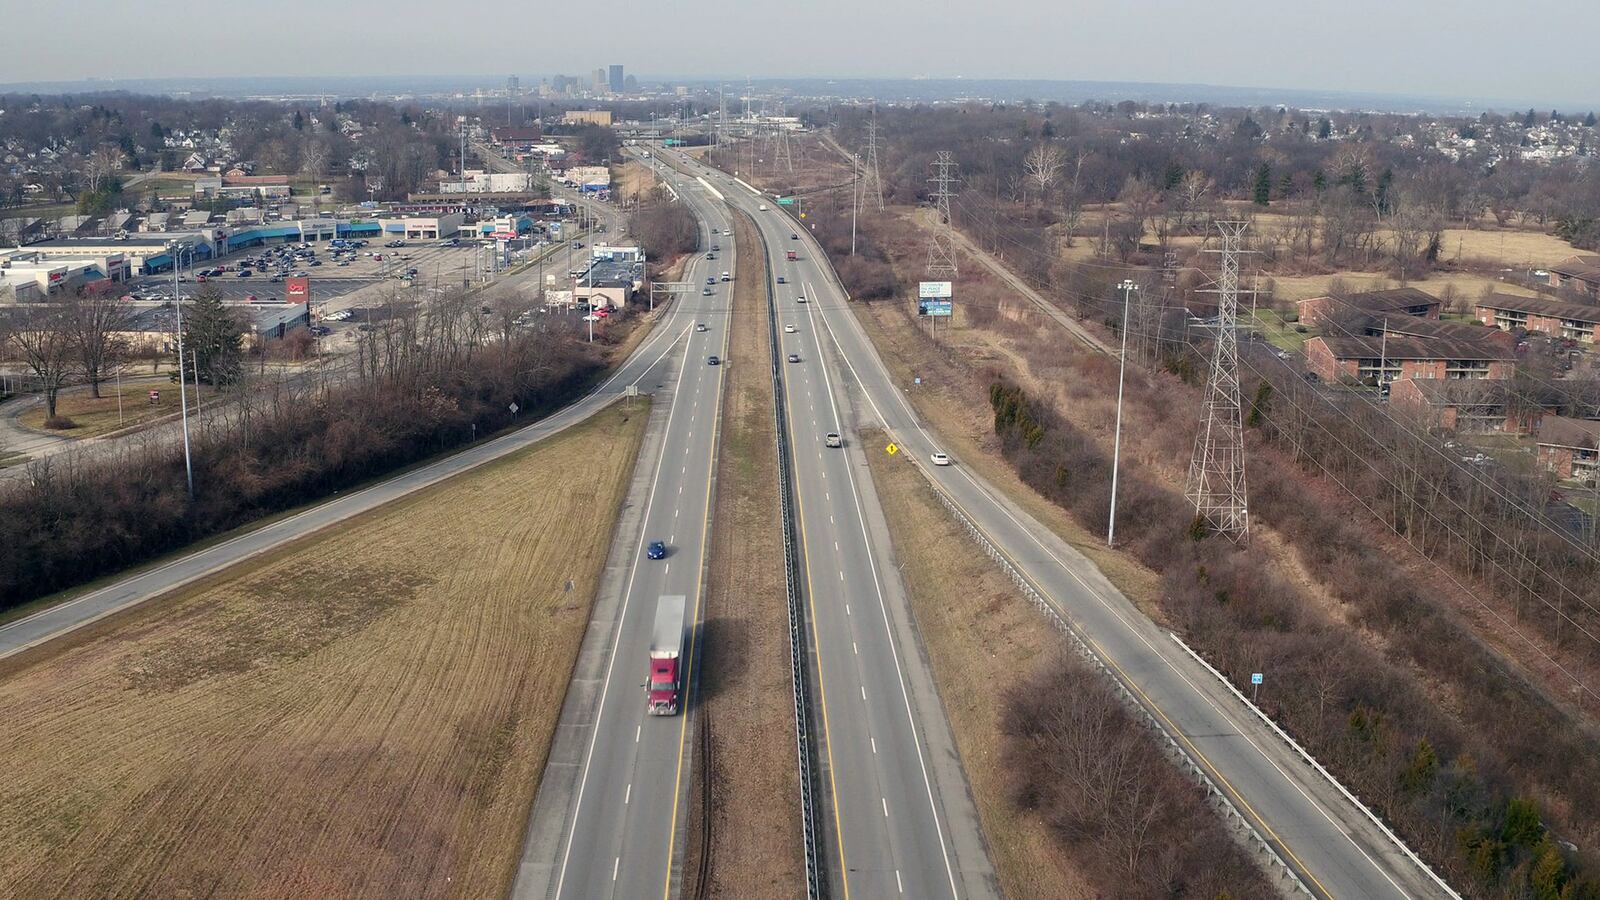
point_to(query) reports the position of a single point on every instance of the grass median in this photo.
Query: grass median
(745, 819)
(364, 713)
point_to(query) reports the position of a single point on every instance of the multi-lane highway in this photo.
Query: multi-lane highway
(606, 819)
(1333, 844)
(900, 821)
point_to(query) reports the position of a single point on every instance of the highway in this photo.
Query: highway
(1336, 847)
(606, 819)
(901, 821)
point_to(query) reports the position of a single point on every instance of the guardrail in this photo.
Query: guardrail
(1175, 751)
(799, 668)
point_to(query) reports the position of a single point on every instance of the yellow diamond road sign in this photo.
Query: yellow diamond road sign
(892, 449)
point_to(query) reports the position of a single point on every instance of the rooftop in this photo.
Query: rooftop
(1542, 306)
(1400, 347)
(1561, 431)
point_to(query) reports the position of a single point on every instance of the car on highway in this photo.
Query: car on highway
(706, 292)
(794, 357)
(713, 361)
(711, 279)
(781, 280)
(793, 236)
(699, 326)
(715, 247)
(832, 439)
(656, 550)
(788, 329)
(711, 255)
(727, 276)
(940, 458)
(800, 299)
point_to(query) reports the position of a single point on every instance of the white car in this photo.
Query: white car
(940, 458)
(788, 329)
(800, 299)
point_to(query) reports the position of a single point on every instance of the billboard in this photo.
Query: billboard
(934, 298)
(297, 290)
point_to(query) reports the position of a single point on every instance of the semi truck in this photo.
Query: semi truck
(792, 255)
(666, 656)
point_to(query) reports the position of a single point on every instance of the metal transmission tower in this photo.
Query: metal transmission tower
(722, 115)
(941, 250)
(873, 182)
(1216, 471)
(784, 157)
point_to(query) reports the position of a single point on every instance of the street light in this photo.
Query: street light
(1128, 287)
(177, 252)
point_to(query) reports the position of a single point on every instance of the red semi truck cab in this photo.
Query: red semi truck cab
(666, 657)
(792, 255)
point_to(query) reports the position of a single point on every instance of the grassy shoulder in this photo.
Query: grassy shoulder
(114, 410)
(364, 712)
(983, 641)
(753, 840)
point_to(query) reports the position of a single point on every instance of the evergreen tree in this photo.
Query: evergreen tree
(1319, 181)
(215, 336)
(1385, 182)
(1263, 192)
(1555, 116)
(1588, 121)
(1324, 128)
(1286, 185)
(1173, 176)
(1528, 119)
(299, 121)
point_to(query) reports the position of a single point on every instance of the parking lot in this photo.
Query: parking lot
(330, 280)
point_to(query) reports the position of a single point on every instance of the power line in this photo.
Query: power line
(873, 181)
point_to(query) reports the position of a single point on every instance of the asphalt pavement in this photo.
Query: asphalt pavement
(1336, 847)
(607, 821)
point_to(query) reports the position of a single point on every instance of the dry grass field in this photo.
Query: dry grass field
(983, 639)
(365, 713)
(92, 417)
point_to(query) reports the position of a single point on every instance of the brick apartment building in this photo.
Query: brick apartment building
(1570, 447)
(1467, 406)
(1406, 301)
(1374, 359)
(1557, 318)
(1581, 273)
(1411, 326)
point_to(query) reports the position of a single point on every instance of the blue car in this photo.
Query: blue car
(656, 550)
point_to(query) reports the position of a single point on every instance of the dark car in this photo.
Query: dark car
(793, 236)
(243, 273)
(713, 361)
(656, 550)
(794, 357)
(781, 280)
(711, 280)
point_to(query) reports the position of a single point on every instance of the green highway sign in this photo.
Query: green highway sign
(785, 201)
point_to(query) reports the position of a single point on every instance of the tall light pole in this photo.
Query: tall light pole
(177, 252)
(1128, 287)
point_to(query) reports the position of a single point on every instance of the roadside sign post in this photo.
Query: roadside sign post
(892, 449)
(1255, 685)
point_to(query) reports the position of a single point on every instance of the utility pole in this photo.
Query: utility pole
(183, 393)
(941, 250)
(874, 181)
(1216, 483)
(1128, 287)
(855, 201)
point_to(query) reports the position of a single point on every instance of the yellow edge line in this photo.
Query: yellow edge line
(688, 672)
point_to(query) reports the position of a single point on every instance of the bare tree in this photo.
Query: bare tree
(314, 159)
(1042, 166)
(44, 342)
(104, 162)
(96, 323)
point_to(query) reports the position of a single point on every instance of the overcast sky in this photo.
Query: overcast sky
(1479, 49)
